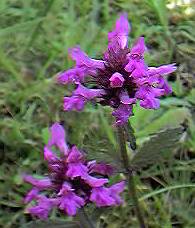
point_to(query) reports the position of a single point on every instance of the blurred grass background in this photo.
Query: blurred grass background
(34, 38)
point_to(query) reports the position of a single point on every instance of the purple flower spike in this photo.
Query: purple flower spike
(72, 181)
(116, 80)
(121, 79)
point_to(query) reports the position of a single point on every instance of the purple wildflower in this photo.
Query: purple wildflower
(72, 181)
(120, 79)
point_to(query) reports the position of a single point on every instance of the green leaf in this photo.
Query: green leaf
(191, 96)
(51, 224)
(156, 148)
(19, 27)
(100, 148)
(159, 7)
(168, 188)
(169, 119)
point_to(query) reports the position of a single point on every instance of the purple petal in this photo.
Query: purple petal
(138, 48)
(41, 184)
(147, 95)
(165, 86)
(74, 103)
(76, 74)
(80, 96)
(58, 138)
(49, 155)
(121, 31)
(75, 166)
(101, 168)
(76, 170)
(89, 94)
(149, 91)
(122, 113)
(66, 187)
(74, 155)
(69, 202)
(118, 187)
(43, 208)
(136, 65)
(116, 80)
(125, 99)
(150, 103)
(162, 70)
(131, 65)
(32, 194)
(84, 67)
(82, 59)
(95, 182)
(115, 190)
(101, 197)
(140, 69)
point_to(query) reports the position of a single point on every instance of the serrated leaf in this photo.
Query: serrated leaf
(100, 149)
(156, 148)
(51, 224)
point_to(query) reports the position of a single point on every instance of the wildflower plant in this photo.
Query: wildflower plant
(72, 181)
(119, 80)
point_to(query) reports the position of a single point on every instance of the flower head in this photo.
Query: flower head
(72, 181)
(121, 78)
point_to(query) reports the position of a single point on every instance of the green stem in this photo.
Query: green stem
(130, 177)
(84, 219)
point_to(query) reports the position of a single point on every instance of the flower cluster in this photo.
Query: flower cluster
(119, 80)
(72, 181)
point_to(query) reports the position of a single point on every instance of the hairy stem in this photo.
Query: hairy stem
(129, 174)
(84, 219)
